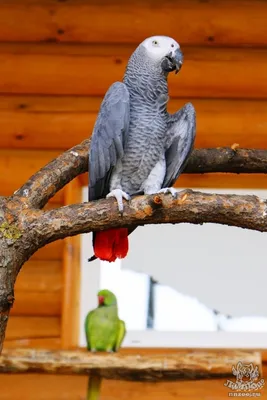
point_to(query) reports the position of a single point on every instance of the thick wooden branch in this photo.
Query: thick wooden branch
(225, 159)
(55, 175)
(194, 207)
(179, 365)
(24, 227)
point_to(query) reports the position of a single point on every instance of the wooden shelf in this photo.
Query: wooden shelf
(154, 367)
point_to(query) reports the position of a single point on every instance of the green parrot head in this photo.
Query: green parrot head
(106, 298)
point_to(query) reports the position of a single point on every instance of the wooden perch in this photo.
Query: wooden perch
(51, 178)
(179, 365)
(24, 227)
(54, 176)
(194, 207)
(226, 159)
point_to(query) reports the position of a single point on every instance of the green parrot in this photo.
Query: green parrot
(104, 332)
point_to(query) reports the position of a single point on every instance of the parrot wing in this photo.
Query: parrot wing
(121, 335)
(108, 139)
(180, 141)
(87, 323)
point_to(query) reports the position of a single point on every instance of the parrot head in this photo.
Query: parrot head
(164, 50)
(106, 298)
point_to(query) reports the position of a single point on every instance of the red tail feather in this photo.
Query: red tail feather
(111, 244)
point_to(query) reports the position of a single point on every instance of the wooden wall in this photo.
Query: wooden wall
(57, 59)
(74, 388)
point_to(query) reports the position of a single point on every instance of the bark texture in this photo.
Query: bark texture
(226, 159)
(56, 174)
(182, 366)
(24, 227)
(188, 206)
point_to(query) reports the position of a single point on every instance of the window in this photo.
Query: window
(209, 281)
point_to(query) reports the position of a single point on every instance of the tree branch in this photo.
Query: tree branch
(24, 228)
(162, 367)
(43, 185)
(194, 207)
(225, 159)
(56, 174)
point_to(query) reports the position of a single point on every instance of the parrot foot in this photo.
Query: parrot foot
(169, 190)
(119, 195)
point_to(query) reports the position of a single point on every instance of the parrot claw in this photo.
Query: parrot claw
(119, 195)
(169, 190)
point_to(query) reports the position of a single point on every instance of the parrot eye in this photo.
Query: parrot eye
(155, 43)
(172, 45)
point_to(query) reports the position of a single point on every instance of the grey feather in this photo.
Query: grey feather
(180, 141)
(137, 146)
(108, 139)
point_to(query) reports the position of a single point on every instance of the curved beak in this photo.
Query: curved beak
(173, 61)
(101, 300)
(177, 59)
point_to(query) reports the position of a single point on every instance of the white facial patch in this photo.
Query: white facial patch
(158, 47)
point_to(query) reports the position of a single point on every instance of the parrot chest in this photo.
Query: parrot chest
(104, 330)
(145, 147)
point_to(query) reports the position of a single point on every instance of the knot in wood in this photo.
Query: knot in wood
(10, 299)
(157, 200)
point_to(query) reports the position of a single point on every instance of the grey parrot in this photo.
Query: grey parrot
(137, 147)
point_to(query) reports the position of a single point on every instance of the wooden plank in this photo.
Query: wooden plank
(40, 276)
(216, 180)
(198, 22)
(54, 387)
(40, 343)
(60, 387)
(51, 252)
(50, 104)
(177, 366)
(220, 73)
(44, 130)
(38, 289)
(52, 122)
(71, 276)
(37, 304)
(32, 327)
(17, 166)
